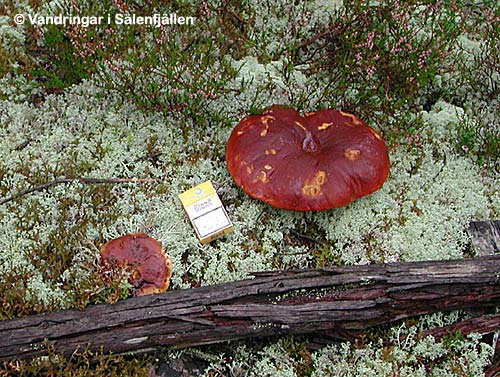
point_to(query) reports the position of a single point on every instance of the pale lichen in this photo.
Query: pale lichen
(407, 356)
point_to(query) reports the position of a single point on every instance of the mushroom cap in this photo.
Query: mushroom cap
(322, 160)
(151, 268)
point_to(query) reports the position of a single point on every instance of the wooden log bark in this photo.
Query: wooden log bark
(483, 324)
(329, 300)
(485, 236)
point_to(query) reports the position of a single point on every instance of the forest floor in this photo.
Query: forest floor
(155, 105)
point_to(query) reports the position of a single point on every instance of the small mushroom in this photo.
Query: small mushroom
(322, 160)
(152, 269)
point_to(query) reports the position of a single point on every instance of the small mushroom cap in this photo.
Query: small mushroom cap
(322, 160)
(152, 269)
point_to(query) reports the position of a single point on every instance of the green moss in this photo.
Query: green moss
(82, 362)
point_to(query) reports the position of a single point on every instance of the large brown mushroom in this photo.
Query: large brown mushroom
(322, 160)
(152, 269)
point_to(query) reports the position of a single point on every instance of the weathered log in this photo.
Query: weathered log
(483, 324)
(485, 236)
(287, 302)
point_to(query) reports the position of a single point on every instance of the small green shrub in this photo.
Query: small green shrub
(381, 55)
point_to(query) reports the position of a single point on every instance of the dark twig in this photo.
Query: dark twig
(305, 237)
(316, 37)
(57, 181)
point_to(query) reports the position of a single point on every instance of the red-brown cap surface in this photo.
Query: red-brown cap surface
(323, 160)
(151, 268)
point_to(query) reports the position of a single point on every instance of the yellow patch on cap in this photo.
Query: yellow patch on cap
(352, 154)
(244, 125)
(249, 168)
(265, 121)
(300, 125)
(377, 136)
(270, 151)
(266, 118)
(268, 167)
(355, 120)
(324, 126)
(312, 185)
(262, 176)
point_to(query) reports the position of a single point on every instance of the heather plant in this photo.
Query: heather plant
(381, 55)
(172, 69)
(478, 54)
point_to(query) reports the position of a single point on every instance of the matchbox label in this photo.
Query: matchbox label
(206, 212)
(203, 206)
(211, 222)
